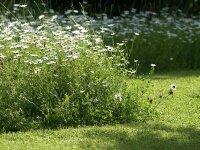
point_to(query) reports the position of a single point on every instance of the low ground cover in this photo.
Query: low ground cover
(177, 128)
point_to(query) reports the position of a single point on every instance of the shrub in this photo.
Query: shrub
(55, 73)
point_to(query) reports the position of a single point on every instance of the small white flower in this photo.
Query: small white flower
(153, 65)
(77, 32)
(171, 58)
(84, 30)
(26, 61)
(110, 25)
(75, 56)
(41, 17)
(118, 97)
(55, 75)
(16, 52)
(95, 100)
(68, 27)
(25, 46)
(75, 11)
(38, 61)
(34, 55)
(23, 6)
(173, 87)
(82, 91)
(132, 72)
(36, 71)
(18, 55)
(136, 33)
(120, 44)
(45, 58)
(54, 17)
(39, 28)
(51, 62)
(16, 5)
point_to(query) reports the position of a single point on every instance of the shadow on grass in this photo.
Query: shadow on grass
(148, 137)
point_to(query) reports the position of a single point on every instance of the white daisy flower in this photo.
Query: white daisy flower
(153, 65)
(118, 97)
(41, 17)
(173, 87)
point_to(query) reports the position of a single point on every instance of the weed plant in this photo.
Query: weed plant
(56, 72)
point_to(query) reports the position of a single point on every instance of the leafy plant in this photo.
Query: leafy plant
(57, 73)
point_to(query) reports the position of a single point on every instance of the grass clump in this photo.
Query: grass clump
(57, 73)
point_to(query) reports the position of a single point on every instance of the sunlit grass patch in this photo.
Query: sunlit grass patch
(177, 128)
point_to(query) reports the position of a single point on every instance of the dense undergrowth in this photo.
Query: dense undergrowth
(56, 72)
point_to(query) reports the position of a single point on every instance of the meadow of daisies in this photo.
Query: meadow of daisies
(74, 70)
(56, 71)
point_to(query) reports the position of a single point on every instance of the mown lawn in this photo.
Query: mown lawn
(177, 128)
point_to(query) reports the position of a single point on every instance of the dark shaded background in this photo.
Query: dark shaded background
(113, 7)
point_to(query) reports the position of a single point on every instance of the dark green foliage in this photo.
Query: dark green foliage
(116, 7)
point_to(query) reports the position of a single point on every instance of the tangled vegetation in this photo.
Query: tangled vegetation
(56, 72)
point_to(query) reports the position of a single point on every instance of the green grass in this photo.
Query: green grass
(177, 128)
